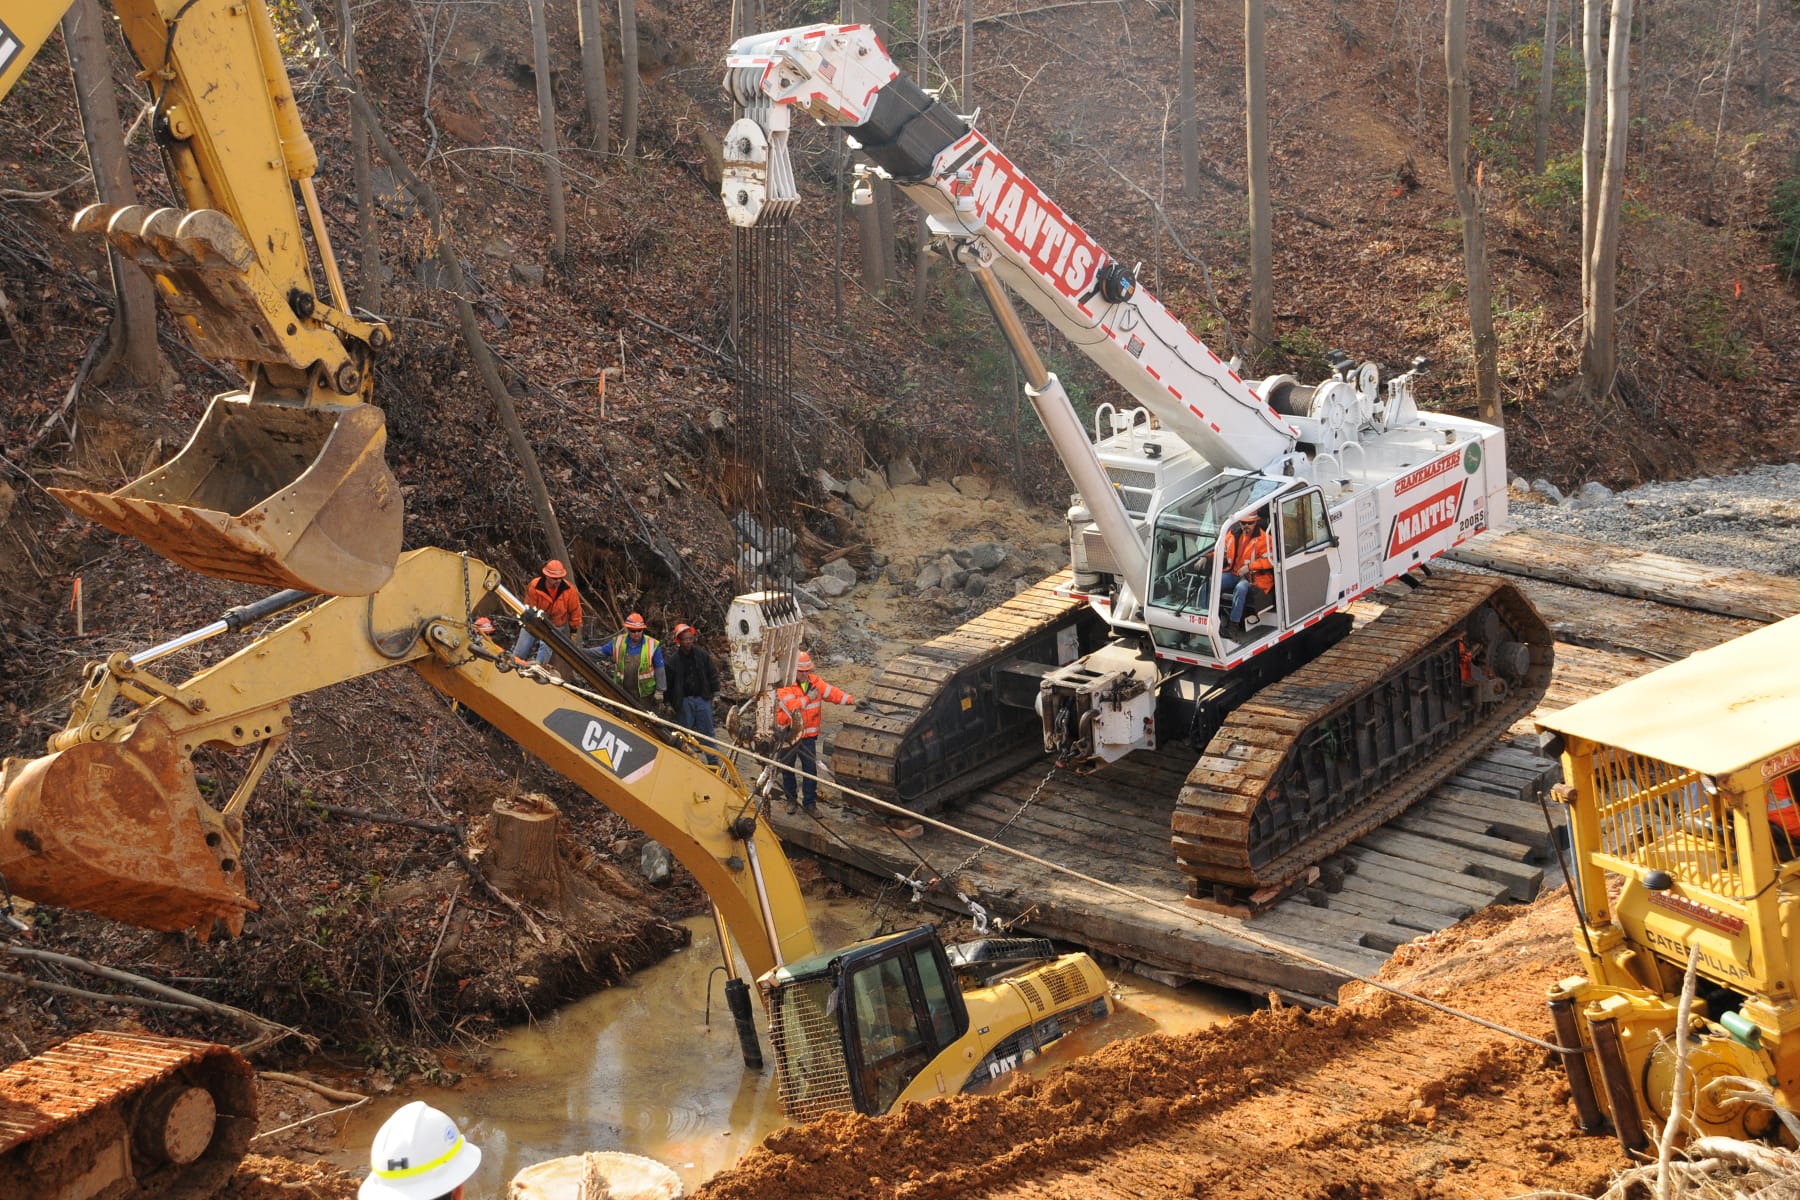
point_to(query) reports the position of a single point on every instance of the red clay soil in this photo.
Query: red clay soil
(1379, 1098)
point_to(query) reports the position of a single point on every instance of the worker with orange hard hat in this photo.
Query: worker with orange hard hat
(636, 659)
(551, 593)
(799, 710)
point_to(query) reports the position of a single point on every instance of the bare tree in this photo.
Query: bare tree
(1468, 202)
(132, 341)
(553, 175)
(628, 78)
(922, 251)
(1190, 117)
(1593, 114)
(874, 220)
(593, 71)
(1256, 120)
(369, 271)
(968, 54)
(1599, 352)
(1540, 147)
(1761, 39)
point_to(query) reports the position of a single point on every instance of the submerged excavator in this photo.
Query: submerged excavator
(284, 484)
(1311, 731)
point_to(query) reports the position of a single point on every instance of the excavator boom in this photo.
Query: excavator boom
(284, 482)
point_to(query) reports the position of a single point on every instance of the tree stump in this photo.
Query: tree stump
(522, 859)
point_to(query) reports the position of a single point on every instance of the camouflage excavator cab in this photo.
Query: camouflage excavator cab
(283, 495)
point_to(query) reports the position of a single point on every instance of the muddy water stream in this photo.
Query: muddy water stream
(636, 1068)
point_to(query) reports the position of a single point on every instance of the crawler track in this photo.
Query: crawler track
(933, 728)
(120, 1116)
(1347, 742)
(1295, 772)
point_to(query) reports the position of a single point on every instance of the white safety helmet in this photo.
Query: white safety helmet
(419, 1154)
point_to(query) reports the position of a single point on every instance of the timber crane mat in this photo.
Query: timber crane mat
(1296, 770)
(119, 1116)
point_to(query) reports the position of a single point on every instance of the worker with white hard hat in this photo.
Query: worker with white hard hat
(419, 1154)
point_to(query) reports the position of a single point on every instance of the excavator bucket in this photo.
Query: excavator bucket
(281, 495)
(119, 829)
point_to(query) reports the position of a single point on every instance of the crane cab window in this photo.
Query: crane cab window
(1304, 525)
(1187, 539)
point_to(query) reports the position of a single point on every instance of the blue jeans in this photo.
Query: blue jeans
(697, 714)
(805, 755)
(1240, 589)
(527, 643)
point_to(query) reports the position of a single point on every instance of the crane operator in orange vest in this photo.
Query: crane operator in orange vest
(1247, 570)
(799, 707)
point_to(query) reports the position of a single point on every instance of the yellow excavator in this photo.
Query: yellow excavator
(1680, 790)
(284, 484)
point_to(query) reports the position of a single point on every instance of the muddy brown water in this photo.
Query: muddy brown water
(637, 1068)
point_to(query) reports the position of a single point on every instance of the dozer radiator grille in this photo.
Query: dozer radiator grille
(1653, 815)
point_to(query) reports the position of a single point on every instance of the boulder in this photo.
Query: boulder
(716, 420)
(781, 541)
(931, 576)
(500, 248)
(1520, 484)
(972, 486)
(829, 585)
(901, 471)
(893, 574)
(656, 863)
(961, 558)
(526, 272)
(985, 556)
(1548, 490)
(839, 568)
(874, 480)
(749, 529)
(859, 493)
(808, 600)
(955, 579)
(975, 584)
(827, 483)
(1594, 493)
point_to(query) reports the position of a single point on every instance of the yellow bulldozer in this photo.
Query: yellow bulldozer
(1680, 792)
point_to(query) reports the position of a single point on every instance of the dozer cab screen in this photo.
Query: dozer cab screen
(851, 1031)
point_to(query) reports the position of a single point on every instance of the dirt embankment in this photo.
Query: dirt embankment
(1379, 1098)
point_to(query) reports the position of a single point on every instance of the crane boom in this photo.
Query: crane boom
(842, 75)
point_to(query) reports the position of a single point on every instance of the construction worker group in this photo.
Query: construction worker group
(685, 680)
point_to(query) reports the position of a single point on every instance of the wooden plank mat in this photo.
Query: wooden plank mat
(1601, 567)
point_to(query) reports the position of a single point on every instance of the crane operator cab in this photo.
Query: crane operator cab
(1239, 560)
(860, 1029)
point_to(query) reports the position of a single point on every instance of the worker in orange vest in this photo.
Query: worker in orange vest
(1247, 570)
(1784, 818)
(799, 707)
(550, 591)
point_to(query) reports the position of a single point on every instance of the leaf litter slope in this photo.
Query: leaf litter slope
(1378, 1098)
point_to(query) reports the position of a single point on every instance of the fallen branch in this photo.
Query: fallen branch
(443, 930)
(519, 909)
(63, 989)
(330, 1093)
(330, 1112)
(270, 1031)
(359, 814)
(68, 400)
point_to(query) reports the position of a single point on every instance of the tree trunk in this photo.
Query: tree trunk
(1761, 37)
(451, 260)
(1600, 355)
(840, 176)
(1190, 116)
(922, 251)
(968, 55)
(133, 336)
(1262, 282)
(593, 72)
(1468, 202)
(369, 270)
(1540, 147)
(628, 78)
(522, 860)
(1591, 148)
(553, 175)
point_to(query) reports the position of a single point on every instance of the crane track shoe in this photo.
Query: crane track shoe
(126, 1117)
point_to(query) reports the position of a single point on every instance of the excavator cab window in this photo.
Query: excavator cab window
(904, 1008)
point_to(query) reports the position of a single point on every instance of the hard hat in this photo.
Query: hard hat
(804, 663)
(555, 570)
(682, 628)
(483, 625)
(635, 622)
(419, 1154)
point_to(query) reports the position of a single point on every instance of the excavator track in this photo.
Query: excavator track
(119, 1116)
(934, 726)
(1315, 761)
